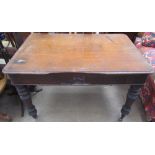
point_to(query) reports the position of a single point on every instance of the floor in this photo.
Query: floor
(75, 103)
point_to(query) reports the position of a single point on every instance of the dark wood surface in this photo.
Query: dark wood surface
(78, 58)
(77, 79)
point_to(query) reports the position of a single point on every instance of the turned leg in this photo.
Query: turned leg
(25, 97)
(132, 95)
(21, 106)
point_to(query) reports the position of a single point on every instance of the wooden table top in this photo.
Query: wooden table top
(82, 53)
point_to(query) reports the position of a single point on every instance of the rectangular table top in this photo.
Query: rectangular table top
(82, 53)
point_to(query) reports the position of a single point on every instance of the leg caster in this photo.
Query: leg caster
(32, 111)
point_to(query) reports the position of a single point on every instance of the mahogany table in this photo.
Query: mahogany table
(79, 59)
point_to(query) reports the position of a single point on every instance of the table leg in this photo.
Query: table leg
(25, 97)
(132, 95)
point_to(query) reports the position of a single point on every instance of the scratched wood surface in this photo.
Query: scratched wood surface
(82, 53)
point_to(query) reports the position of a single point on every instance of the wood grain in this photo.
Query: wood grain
(82, 53)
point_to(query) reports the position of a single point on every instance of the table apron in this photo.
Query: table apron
(76, 79)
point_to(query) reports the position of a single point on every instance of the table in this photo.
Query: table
(79, 59)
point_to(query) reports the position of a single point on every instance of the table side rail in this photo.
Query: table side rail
(77, 79)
